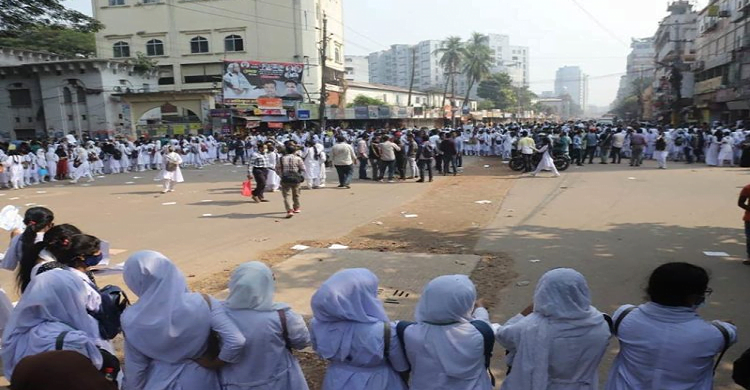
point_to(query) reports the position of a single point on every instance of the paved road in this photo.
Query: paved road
(615, 224)
(133, 216)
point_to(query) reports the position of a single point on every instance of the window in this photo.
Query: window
(199, 45)
(30, 119)
(233, 43)
(337, 54)
(121, 49)
(154, 47)
(70, 117)
(18, 119)
(81, 95)
(116, 2)
(67, 96)
(20, 97)
(166, 80)
(83, 117)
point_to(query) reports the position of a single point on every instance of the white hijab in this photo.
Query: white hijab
(54, 299)
(561, 298)
(168, 323)
(349, 297)
(449, 300)
(252, 287)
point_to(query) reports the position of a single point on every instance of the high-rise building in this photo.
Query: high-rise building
(640, 66)
(513, 60)
(570, 80)
(357, 68)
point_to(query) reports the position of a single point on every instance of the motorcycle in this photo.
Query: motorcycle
(562, 161)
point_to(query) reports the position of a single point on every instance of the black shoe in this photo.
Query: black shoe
(603, 163)
(340, 186)
(348, 187)
(420, 181)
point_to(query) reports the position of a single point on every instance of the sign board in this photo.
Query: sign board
(245, 82)
(303, 114)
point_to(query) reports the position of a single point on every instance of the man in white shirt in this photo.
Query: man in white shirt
(618, 141)
(343, 158)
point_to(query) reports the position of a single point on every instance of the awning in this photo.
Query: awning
(248, 118)
(738, 105)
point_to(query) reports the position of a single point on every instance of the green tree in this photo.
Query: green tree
(525, 97)
(142, 64)
(451, 52)
(63, 41)
(627, 108)
(486, 105)
(498, 88)
(362, 100)
(18, 16)
(477, 61)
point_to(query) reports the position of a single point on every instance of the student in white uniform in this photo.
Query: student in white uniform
(171, 173)
(52, 160)
(664, 343)
(558, 342)
(546, 163)
(14, 166)
(52, 311)
(445, 348)
(81, 158)
(38, 221)
(314, 157)
(56, 242)
(349, 329)
(167, 329)
(271, 331)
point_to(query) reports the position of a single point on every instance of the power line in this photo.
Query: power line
(600, 24)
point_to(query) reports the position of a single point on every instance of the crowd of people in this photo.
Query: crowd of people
(177, 339)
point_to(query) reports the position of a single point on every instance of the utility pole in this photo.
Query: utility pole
(323, 58)
(413, 68)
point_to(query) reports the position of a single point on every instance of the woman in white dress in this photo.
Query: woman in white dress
(445, 348)
(271, 331)
(171, 174)
(313, 156)
(712, 153)
(157, 158)
(546, 163)
(51, 312)
(726, 151)
(167, 330)
(144, 158)
(558, 342)
(349, 328)
(125, 162)
(52, 159)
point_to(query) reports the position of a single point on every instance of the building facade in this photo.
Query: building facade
(640, 66)
(43, 96)
(191, 39)
(570, 80)
(722, 66)
(357, 68)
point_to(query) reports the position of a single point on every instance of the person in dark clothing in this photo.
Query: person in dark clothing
(374, 156)
(591, 141)
(239, 151)
(448, 149)
(400, 159)
(424, 159)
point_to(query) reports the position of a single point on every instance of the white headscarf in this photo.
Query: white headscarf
(349, 297)
(561, 298)
(168, 322)
(58, 301)
(252, 287)
(449, 300)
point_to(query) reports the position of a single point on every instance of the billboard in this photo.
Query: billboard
(245, 82)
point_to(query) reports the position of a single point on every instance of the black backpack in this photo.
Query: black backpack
(134, 154)
(117, 154)
(487, 334)
(427, 151)
(114, 302)
(741, 371)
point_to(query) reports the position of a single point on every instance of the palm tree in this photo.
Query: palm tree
(477, 61)
(451, 50)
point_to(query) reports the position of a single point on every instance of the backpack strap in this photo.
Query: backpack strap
(727, 343)
(386, 341)
(60, 341)
(489, 344)
(622, 316)
(400, 330)
(609, 323)
(284, 329)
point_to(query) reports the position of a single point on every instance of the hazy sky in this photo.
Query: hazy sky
(558, 32)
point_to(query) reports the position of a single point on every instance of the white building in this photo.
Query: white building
(640, 65)
(190, 39)
(357, 68)
(570, 80)
(47, 96)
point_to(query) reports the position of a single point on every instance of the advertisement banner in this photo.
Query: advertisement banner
(361, 113)
(247, 82)
(372, 112)
(384, 112)
(270, 103)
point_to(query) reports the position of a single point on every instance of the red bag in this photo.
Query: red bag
(247, 188)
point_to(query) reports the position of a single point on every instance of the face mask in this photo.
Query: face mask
(93, 260)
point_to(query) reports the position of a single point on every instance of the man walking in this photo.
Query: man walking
(577, 151)
(259, 170)
(292, 170)
(424, 159)
(745, 205)
(591, 141)
(448, 149)
(387, 158)
(527, 147)
(618, 141)
(605, 144)
(239, 151)
(411, 154)
(637, 144)
(362, 155)
(343, 158)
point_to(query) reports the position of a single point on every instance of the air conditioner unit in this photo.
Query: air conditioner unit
(117, 89)
(128, 90)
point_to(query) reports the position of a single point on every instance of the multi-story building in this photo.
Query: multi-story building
(357, 68)
(570, 80)
(49, 96)
(722, 66)
(674, 47)
(640, 66)
(394, 66)
(190, 40)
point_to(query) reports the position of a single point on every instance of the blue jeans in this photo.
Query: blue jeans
(390, 165)
(747, 238)
(345, 173)
(362, 168)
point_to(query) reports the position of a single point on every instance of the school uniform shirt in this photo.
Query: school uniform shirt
(663, 347)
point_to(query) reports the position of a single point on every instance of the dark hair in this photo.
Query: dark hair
(81, 245)
(36, 219)
(340, 138)
(57, 240)
(672, 284)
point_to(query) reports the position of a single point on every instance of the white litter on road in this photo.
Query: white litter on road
(631, 178)
(168, 203)
(29, 204)
(129, 182)
(483, 202)
(534, 261)
(378, 223)
(206, 200)
(523, 283)
(14, 198)
(84, 185)
(2, 194)
(410, 215)
(41, 192)
(207, 215)
(299, 247)
(716, 254)
(100, 177)
(486, 166)
(338, 246)
(137, 177)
